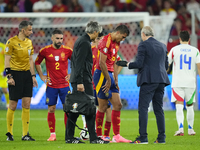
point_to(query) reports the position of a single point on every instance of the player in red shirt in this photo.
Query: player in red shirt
(106, 82)
(59, 7)
(56, 56)
(107, 126)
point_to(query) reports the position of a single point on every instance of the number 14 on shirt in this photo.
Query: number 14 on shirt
(183, 59)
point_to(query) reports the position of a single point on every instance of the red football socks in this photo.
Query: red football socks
(65, 120)
(51, 121)
(99, 122)
(116, 121)
(107, 128)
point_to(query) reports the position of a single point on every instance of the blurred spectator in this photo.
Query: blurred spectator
(130, 6)
(59, 7)
(15, 8)
(53, 2)
(107, 5)
(175, 4)
(185, 18)
(28, 6)
(192, 5)
(154, 7)
(121, 5)
(98, 5)
(140, 5)
(176, 28)
(33, 1)
(74, 6)
(168, 11)
(2, 6)
(168, 14)
(22, 4)
(88, 5)
(10, 5)
(42, 6)
(197, 30)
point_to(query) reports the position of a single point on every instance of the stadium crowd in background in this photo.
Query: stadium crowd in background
(179, 10)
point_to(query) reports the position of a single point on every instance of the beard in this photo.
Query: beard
(57, 45)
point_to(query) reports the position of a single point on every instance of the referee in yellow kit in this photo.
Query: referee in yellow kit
(19, 68)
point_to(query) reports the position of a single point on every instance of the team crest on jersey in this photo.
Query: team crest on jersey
(56, 58)
(105, 50)
(113, 51)
(29, 52)
(47, 100)
(62, 55)
(106, 94)
(117, 47)
(6, 49)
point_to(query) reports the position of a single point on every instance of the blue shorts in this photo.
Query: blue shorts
(96, 100)
(99, 81)
(53, 93)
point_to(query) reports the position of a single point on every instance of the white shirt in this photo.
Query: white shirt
(184, 58)
(42, 5)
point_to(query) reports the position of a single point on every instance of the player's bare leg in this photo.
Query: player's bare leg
(117, 105)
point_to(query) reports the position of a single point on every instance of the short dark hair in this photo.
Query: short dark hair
(57, 31)
(184, 35)
(122, 29)
(24, 24)
(101, 34)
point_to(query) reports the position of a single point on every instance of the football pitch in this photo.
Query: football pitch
(129, 129)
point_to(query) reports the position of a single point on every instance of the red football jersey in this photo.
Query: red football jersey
(118, 58)
(109, 48)
(95, 55)
(56, 64)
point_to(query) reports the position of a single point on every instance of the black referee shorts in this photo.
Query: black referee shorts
(23, 85)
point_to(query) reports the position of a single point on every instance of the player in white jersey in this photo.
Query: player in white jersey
(184, 58)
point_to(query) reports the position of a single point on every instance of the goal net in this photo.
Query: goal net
(73, 26)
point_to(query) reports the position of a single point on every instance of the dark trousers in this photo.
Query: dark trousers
(90, 119)
(155, 93)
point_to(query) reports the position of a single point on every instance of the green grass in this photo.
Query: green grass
(129, 129)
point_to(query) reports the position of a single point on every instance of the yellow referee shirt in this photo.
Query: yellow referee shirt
(20, 52)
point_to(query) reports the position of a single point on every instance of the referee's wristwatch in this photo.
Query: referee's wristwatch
(9, 76)
(34, 75)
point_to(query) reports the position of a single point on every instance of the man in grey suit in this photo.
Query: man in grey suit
(152, 78)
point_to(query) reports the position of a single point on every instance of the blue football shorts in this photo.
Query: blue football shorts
(99, 81)
(96, 100)
(53, 93)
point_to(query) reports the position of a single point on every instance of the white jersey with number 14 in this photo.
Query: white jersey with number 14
(184, 58)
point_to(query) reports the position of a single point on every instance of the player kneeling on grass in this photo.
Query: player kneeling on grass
(57, 78)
